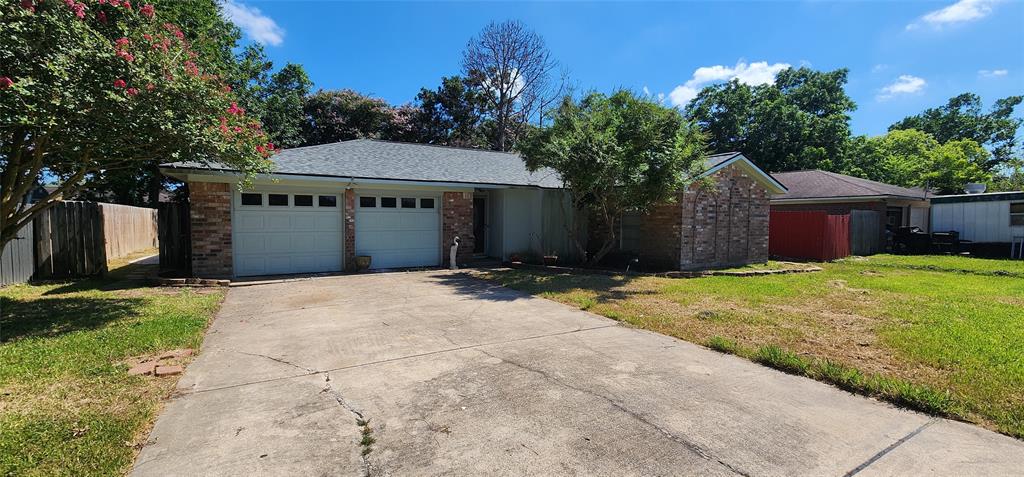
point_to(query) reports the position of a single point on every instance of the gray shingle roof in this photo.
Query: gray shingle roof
(817, 184)
(373, 159)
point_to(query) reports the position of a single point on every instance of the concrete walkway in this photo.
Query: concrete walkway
(456, 376)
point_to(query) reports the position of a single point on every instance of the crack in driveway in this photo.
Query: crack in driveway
(860, 468)
(691, 446)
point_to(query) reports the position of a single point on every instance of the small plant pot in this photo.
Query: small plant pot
(550, 260)
(363, 262)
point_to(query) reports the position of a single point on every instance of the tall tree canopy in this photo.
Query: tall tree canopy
(616, 153)
(962, 117)
(511, 67)
(801, 121)
(451, 115)
(914, 158)
(283, 99)
(85, 90)
(341, 115)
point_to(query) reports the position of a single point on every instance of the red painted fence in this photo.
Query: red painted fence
(813, 235)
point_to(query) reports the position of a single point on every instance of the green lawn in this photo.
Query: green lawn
(901, 328)
(67, 405)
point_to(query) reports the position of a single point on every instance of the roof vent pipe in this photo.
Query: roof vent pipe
(974, 188)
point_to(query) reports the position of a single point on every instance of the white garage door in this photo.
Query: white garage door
(398, 230)
(280, 233)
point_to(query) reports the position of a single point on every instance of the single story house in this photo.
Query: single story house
(991, 220)
(839, 194)
(403, 204)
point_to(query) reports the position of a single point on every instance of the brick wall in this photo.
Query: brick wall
(210, 205)
(725, 225)
(661, 236)
(457, 220)
(350, 230)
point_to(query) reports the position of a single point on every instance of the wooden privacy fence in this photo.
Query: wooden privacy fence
(813, 235)
(175, 239)
(128, 229)
(865, 232)
(75, 239)
(69, 241)
(16, 263)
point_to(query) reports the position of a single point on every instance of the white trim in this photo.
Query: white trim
(774, 186)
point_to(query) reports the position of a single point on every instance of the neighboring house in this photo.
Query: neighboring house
(403, 204)
(839, 194)
(995, 219)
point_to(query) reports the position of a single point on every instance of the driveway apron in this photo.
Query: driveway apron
(430, 373)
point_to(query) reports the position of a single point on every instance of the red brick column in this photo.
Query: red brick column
(350, 230)
(457, 221)
(210, 214)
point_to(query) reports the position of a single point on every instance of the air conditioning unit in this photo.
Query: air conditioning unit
(974, 188)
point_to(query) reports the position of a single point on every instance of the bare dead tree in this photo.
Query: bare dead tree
(511, 66)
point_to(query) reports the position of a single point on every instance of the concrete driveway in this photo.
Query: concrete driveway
(456, 376)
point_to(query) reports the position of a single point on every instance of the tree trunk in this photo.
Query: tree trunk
(155, 186)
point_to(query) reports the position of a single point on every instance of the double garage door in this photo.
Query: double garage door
(302, 232)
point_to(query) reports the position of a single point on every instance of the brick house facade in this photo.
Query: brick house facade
(457, 221)
(210, 209)
(721, 226)
(211, 205)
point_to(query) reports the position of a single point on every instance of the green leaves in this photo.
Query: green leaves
(617, 153)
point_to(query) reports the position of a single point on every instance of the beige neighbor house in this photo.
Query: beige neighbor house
(403, 204)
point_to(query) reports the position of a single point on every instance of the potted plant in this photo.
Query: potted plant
(550, 259)
(363, 262)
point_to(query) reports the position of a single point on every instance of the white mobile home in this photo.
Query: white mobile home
(994, 218)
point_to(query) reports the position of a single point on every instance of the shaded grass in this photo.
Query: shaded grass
(69, 407)
(949, 343)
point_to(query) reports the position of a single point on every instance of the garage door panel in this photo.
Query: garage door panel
(249, 223)
(281, 240)
(397, 238)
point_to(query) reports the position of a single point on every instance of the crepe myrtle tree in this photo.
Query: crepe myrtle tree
(615, 154)
(104, 85)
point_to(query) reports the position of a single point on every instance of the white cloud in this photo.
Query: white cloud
(254, 23)
(959, 12)
(647, 92)
(879, 68)
(992, 73)
(753, 74)
(905, 84)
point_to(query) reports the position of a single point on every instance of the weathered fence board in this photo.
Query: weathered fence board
(69, 241)
(175, 239)
(128, 229)
(865, 238)
(16, 263)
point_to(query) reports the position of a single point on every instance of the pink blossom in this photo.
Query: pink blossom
(261, 149)
(147, 37)
(191, 68)
(147, 10)
(5, 82)
(119, 83)
(270, 146)
(131, 91)
(234, 109)
(227, 89)
(70, 3)
(127, 4)
(238, 129)
(126, 56)
(102, 2)
(150, 86)
(122, 42)
(102, 17)
(28, 5)
(115, 3)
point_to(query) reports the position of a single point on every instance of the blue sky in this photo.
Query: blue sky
(903, 56)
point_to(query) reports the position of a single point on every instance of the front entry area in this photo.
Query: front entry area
(398, 229)
(285, 233)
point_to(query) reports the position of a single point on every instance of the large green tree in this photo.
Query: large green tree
(283, 100)
(341, 115)
(616, 153)
(85, 90)
(801, 121)
(914, 158)
(451, 115)
(962, 117)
